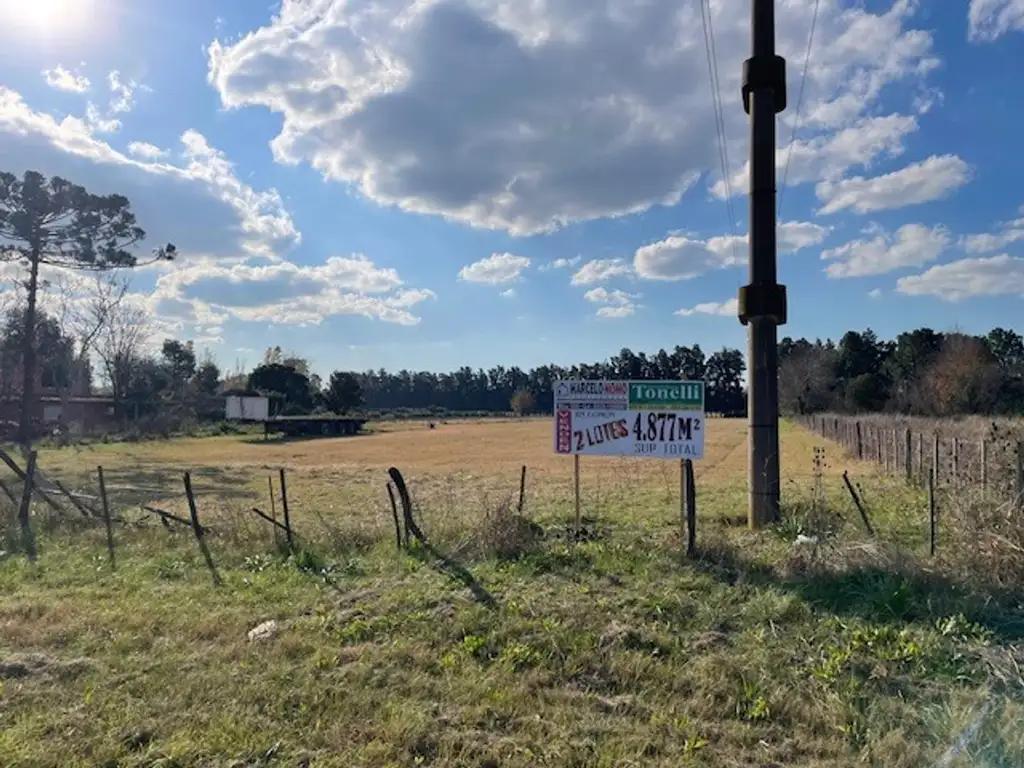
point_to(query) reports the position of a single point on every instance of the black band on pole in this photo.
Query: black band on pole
(765, 72)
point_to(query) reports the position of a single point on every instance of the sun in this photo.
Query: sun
(46, 16)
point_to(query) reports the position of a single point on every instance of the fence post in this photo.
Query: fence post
(27, 538)
(522, 489)
(106, 518)
(935, 460)
(956, 462)
(878, 445)
(284, 510)
(908, 454)
(197, 529)
(860, 440)
(690, 488)
(933, 515)
(920, 457)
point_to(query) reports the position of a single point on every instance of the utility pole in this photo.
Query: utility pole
(762, 303)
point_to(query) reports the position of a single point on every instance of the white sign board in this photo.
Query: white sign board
(247, 408)
(657, 419)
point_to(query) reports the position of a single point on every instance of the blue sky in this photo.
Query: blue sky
(436, 183)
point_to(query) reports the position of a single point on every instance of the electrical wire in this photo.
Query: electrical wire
(716, 104)
(799, 106)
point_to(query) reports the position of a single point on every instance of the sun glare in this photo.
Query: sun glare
(46, 16)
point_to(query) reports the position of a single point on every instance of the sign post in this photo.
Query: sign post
(651, 419)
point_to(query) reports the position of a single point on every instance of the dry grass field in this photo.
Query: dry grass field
(611, 651)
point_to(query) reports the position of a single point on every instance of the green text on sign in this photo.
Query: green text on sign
(679, 395)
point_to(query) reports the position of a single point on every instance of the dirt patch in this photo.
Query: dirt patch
(23, 666)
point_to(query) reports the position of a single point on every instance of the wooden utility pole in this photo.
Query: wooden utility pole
(762, 303)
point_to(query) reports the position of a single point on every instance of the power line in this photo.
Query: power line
(716, 105)
(799, 105)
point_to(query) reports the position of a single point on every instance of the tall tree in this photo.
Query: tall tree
(56, 223)
(343, 393)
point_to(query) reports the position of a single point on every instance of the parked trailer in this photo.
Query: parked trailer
(313, 426)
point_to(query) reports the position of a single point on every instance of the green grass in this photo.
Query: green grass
(615, 651)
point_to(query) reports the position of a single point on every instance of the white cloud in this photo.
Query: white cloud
(988, 20)
(146, 151)
(560, 264)
(875, 293)
(727, 308)
(913, 245)
(682, 258)
(830, 156)
(98, 123)
(201, 206)
(122, 92)
(1010, 232)
(922, 182)
(508, 293)
(967, 278)
(496, 269)
(65, 80)
(533, 123)
(599, 270)
(284, 292)
(615, 304)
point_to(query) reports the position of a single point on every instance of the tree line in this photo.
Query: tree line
(921, 372)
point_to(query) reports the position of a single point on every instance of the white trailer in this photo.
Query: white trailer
(245, 408)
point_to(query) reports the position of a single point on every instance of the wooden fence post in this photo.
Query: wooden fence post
(920, 457)
(860, 440)
(197, 529)
(935, 461)
(933, 514)
(956, 462)
(878, 445)
(908, 454)
(690, 497)
(27, 538)
(522, 489)
(106, 518)
(284, 510)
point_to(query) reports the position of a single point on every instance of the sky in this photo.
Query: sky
(426, 184)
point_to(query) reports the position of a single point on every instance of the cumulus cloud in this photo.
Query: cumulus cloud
(146, 151)
(988, 20)
(284, 292)
(200, 205)
(560, 264)
(65, 80)
(508, 293)
(122, 92)
(727, 308)
(599, 270)
(931, 179)
(682, 258)
(993, 276)
(527, 116)
(496, 269)
(1008, 233)
(913, 245)
(615, 304)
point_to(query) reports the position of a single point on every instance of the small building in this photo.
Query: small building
(81, 414)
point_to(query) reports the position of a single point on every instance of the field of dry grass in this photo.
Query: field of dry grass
(613, 651)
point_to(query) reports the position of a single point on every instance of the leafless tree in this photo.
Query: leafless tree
(83, 307)
(120, 344)
(963, 378)
(807, 380)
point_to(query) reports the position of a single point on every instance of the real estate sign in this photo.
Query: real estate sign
(658, 419)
